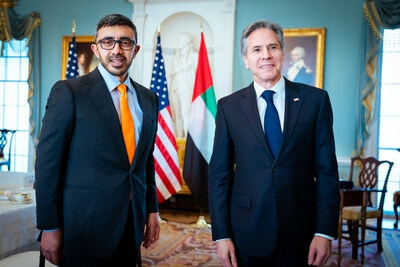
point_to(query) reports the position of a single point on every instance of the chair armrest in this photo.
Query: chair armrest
(352, 197)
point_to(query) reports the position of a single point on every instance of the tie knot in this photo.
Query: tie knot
(121, 88)
(267, 95)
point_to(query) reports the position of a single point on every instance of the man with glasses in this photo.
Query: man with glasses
(95, 186)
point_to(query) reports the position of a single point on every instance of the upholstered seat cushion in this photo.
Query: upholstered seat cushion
(396, 196)
(354, 213)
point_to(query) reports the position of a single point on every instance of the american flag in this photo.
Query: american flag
(166, 161)
(72, 65)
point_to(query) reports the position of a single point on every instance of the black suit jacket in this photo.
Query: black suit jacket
(256, 199)
(83, 175)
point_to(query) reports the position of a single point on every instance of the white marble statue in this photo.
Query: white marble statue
(182, 82)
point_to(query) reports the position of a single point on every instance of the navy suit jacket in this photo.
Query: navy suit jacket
(83, 175)
(256, 199)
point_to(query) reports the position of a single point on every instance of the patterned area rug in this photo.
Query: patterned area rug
(389, 257)
(182, 245)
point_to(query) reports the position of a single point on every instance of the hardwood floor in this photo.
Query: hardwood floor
(183, 216)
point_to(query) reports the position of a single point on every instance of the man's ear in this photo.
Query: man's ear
(137, 48)
(245, 61)
(95, 50)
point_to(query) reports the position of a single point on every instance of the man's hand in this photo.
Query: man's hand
(226, 253)
(152, 231)
(51, 246)
(320, 251)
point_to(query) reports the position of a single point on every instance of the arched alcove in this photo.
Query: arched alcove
(217, 18)
(190, 24)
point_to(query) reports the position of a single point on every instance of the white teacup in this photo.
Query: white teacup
(21, 197)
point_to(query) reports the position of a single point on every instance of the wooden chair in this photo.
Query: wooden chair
(3, 142)
(356, 206)
(396, 203)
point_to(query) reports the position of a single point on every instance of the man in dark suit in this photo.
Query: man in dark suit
(95, 188)
(274, 190)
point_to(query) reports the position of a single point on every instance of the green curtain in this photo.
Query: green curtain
(15, 26)
(379, 15)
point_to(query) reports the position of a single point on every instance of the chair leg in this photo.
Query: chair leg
(354, 239)
(339, 257)
(395, 206)
(363, 223)
(379, 234)
(350, 228)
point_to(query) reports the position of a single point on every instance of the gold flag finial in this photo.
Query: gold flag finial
(201, 26)
(8, 3)
(73, 27)
(159, 28)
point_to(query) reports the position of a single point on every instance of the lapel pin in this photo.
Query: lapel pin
(296, 99)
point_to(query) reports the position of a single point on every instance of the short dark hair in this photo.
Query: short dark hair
(263, 24)
(115, 20)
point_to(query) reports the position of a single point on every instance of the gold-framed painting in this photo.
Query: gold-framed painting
(87, 61)
(304, 55)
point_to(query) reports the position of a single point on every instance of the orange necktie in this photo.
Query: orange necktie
(128, 128)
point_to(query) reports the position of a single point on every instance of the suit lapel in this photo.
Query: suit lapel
(104, 104)
(147, 106)
(248, 104)
(293, 103)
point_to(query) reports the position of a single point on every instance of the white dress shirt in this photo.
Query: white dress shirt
(136, 111)
(279, 102)
(278, 98)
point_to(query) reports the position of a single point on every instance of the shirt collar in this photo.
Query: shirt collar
(299, 64)
(111, 81)
(278, 88)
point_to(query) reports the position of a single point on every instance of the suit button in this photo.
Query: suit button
(273, 196)
(274, 170)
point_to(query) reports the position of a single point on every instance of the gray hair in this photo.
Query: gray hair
(262, 24)
(300, 50)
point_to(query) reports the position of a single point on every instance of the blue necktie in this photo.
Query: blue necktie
(272, 125)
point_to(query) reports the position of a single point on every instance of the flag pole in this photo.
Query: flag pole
(168, 177)
(73, 27)
(201, 222)
(160, 219)
(72, 64)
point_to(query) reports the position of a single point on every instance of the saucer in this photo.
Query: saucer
(13, 201)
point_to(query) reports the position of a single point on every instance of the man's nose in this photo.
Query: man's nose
(117, 48)
(266, 53)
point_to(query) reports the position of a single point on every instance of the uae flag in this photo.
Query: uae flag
(201, 130)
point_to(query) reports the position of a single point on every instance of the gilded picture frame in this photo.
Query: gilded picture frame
(83, 47)
(308, 43)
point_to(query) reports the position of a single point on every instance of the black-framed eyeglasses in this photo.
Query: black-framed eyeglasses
(124, 44)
